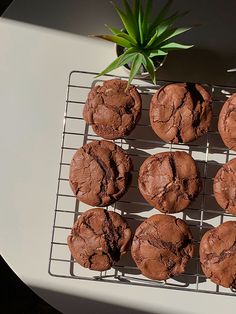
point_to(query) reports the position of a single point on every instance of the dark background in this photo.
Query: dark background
(17, 298)
(3, 5)
(213, 38)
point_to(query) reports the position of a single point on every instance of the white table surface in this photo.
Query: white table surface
(34, 65)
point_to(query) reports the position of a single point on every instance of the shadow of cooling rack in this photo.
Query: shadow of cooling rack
(204, 213)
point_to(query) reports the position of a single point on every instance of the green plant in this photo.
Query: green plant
(143, 37)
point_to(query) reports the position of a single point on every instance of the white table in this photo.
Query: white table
(34, 64)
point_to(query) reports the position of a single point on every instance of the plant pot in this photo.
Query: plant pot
(158, 62)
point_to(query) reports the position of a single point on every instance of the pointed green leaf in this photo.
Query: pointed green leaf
(119, 33)
(146, 18)
(135, 67)
(176, 31)
(151, 41)
(149, 66)
(162, 28)
(166, 35)
(115, 39)
(125, 58)
(174, 46)
(114, 30)
(112, 66)
(156, 53)
(136, 6)
(158, 36)
(130, 27)
(127, 37)
(168, 22)
(140, 23)
(130, 16)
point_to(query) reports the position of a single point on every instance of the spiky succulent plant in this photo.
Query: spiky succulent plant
(143, 38)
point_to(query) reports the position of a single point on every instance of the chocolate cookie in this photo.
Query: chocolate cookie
(181, 113)
(169, 181)
(98, 238)
(113, 109)
(162, 247)
(227, 123)
(225, 187)
(218, 254)
(100, 173)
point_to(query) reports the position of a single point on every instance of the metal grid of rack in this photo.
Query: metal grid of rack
(203, 214)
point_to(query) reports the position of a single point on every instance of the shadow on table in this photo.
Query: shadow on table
(3, 5)
(17, 298)
(71, 304)
(198, 64)
(133, 201)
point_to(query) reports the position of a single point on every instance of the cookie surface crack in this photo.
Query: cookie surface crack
(111, 237)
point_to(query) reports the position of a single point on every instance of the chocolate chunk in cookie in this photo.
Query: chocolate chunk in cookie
(162, 247)
(98, 238)
(100, 173)
(225, 187)
(218, 254)
(181, 113)
(227, 123)
(169, 181)
(113, 109)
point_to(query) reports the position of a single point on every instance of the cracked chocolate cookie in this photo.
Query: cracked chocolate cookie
(227, 123)
(100, 173)
(162, 247)
(218, 254)
(181, 113)
(225, 187)
(98, 238)
(169, 181)
(113, 109)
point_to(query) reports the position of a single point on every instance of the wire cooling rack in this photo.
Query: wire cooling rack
(203, 214)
